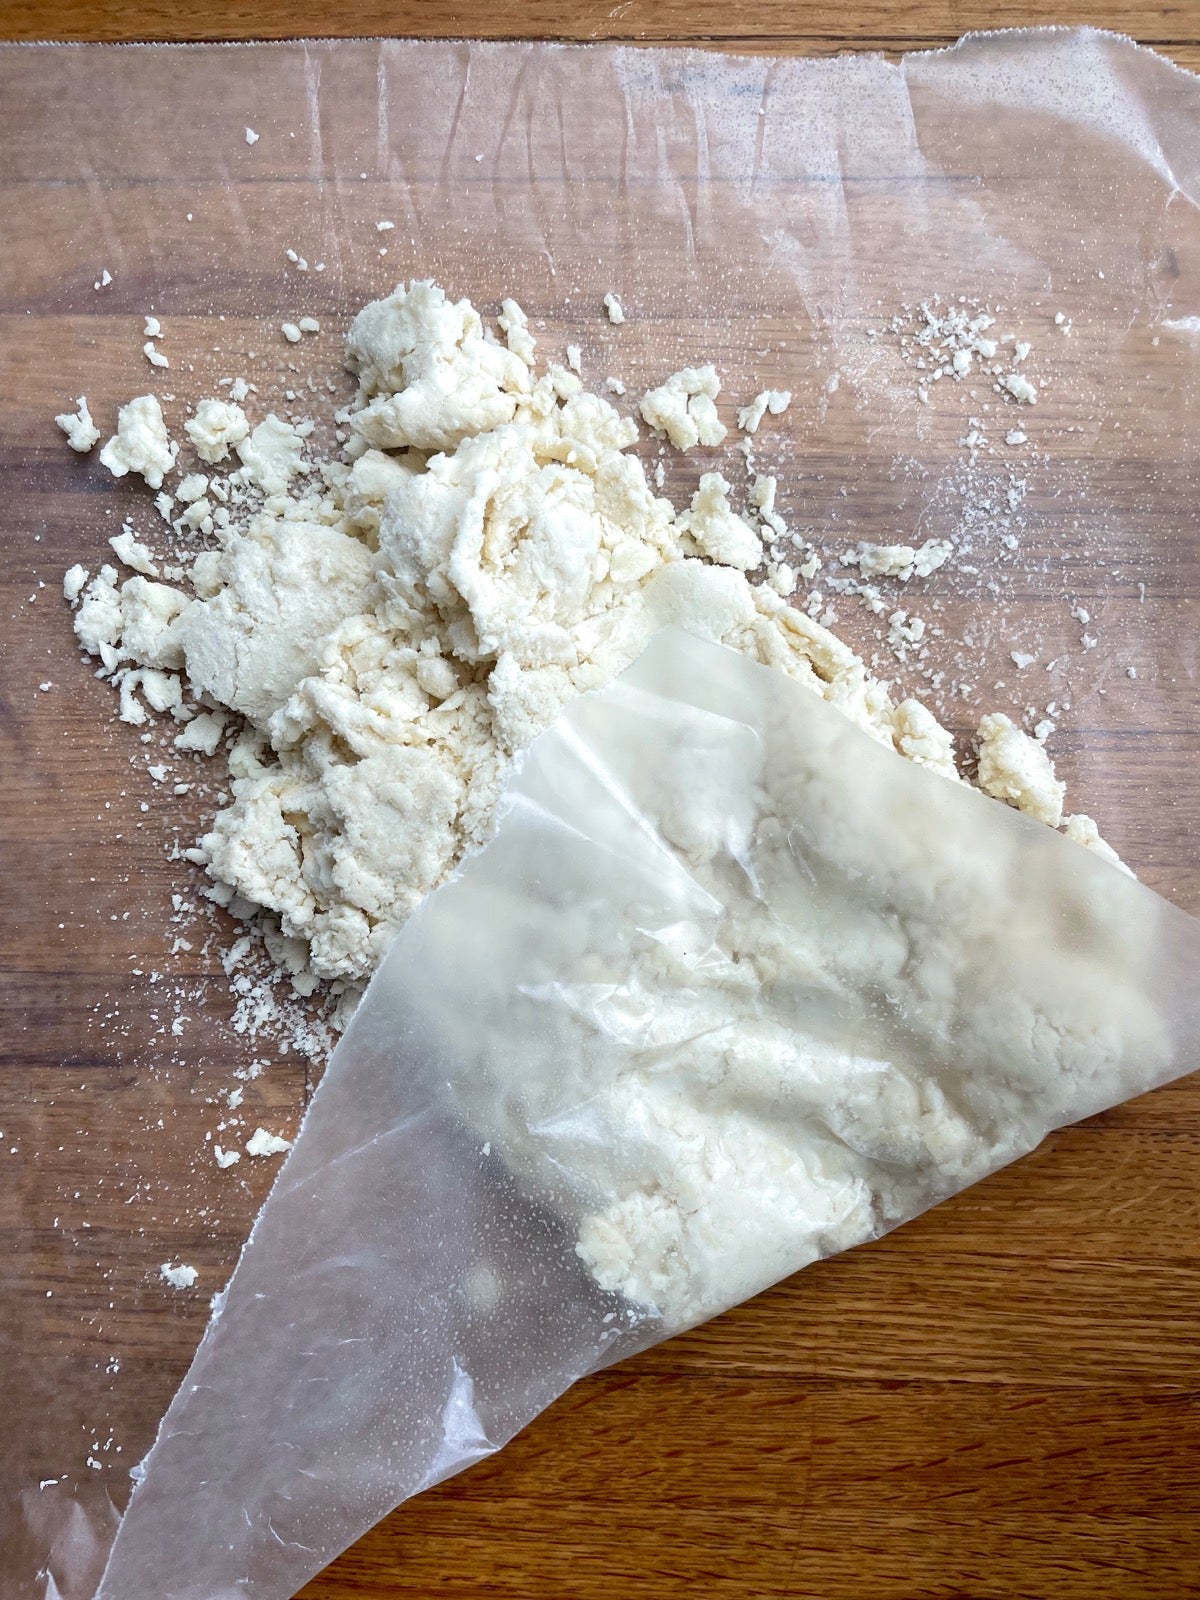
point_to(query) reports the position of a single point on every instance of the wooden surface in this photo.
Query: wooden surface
(1000, 1402)
(778, 25)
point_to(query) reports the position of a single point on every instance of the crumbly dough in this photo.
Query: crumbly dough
(216, 428)
(776, 401)
(715, 528)
(271, 455)
(1014, 767)
(82, 433)
(395, 632)
(181, 1277)
(141, 443)
(684, 408)
(262, 1143)
(901, 561)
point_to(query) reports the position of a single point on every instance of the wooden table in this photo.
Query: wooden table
(999, 1401)
(776, 25)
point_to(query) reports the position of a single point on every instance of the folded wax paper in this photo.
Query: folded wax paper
(732, 988)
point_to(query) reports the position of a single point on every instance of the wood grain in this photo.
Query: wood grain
(997, 1403)
(785, 25)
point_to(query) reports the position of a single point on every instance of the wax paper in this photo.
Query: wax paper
(780, 217)
(732, 988)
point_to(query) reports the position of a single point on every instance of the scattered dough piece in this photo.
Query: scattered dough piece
(1019, 386)
(1014, 767)
(271, 455)
(141, 443)
(216, 427)
(717, 531)
(776, 401)
(262, 1143)
(178, 1277)
(1084, 831)
(514, 325)
(762, 496)
(82, 433)
(127, 548)
(191, 488)
(203, 733)
(921, 737)
(683, 408)
(899, 560)
(616, 311)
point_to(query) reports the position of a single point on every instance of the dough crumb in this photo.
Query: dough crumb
(217, 426)
(181, 1277)
(141, 443)
(514, 325)
(1083, 830)
(683, 408)
(716, 530)
(82, 433)
(775, 401)
(1015, 768)
(271, 455)
(133, 553)
(262, 1143)
(202, 734)
(899, 560)
(1019, 386)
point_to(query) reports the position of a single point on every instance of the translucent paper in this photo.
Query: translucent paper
(732, 988)
(760, 212)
